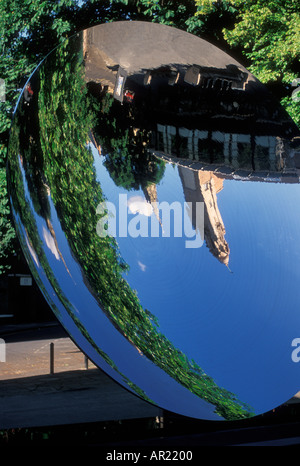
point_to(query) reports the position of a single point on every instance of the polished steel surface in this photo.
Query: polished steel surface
(154, 186)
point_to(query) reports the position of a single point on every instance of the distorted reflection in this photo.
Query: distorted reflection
(107, 129)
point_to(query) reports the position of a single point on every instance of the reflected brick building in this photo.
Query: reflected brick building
(203, 186)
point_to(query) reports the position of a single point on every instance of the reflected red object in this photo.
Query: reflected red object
(129, 96)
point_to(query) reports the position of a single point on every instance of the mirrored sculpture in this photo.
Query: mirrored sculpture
(154, 186)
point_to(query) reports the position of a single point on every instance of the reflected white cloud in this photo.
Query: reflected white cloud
(142, 266)
(32, 252)
(137, 204)
(50, 243)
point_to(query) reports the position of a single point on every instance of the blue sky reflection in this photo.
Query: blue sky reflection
(236, 322)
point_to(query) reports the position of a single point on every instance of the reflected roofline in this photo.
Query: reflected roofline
(291, 175)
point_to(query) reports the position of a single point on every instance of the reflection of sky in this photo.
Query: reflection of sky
(69, 277)
(237, 324)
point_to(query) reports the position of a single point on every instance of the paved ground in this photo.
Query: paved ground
(76, 392)
(28, 352)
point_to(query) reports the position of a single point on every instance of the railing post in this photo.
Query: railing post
(51, 358)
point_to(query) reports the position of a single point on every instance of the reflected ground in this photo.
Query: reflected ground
(201, 331)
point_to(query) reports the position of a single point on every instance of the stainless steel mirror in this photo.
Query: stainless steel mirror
(154, 185)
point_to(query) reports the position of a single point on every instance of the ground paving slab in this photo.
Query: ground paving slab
(64, 398)
(37, 392)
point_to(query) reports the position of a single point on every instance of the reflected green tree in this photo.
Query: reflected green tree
(28, 212)
(124, 143)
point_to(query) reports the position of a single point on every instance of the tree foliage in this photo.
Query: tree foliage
(7, 232)
(269, 35)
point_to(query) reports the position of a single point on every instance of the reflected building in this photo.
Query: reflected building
(117, 70)
(150, 193)
(228, 130)
(232, 154)
(203, 186)
(213, 111)
(235, 150)
(230, 77)
(99, 68)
